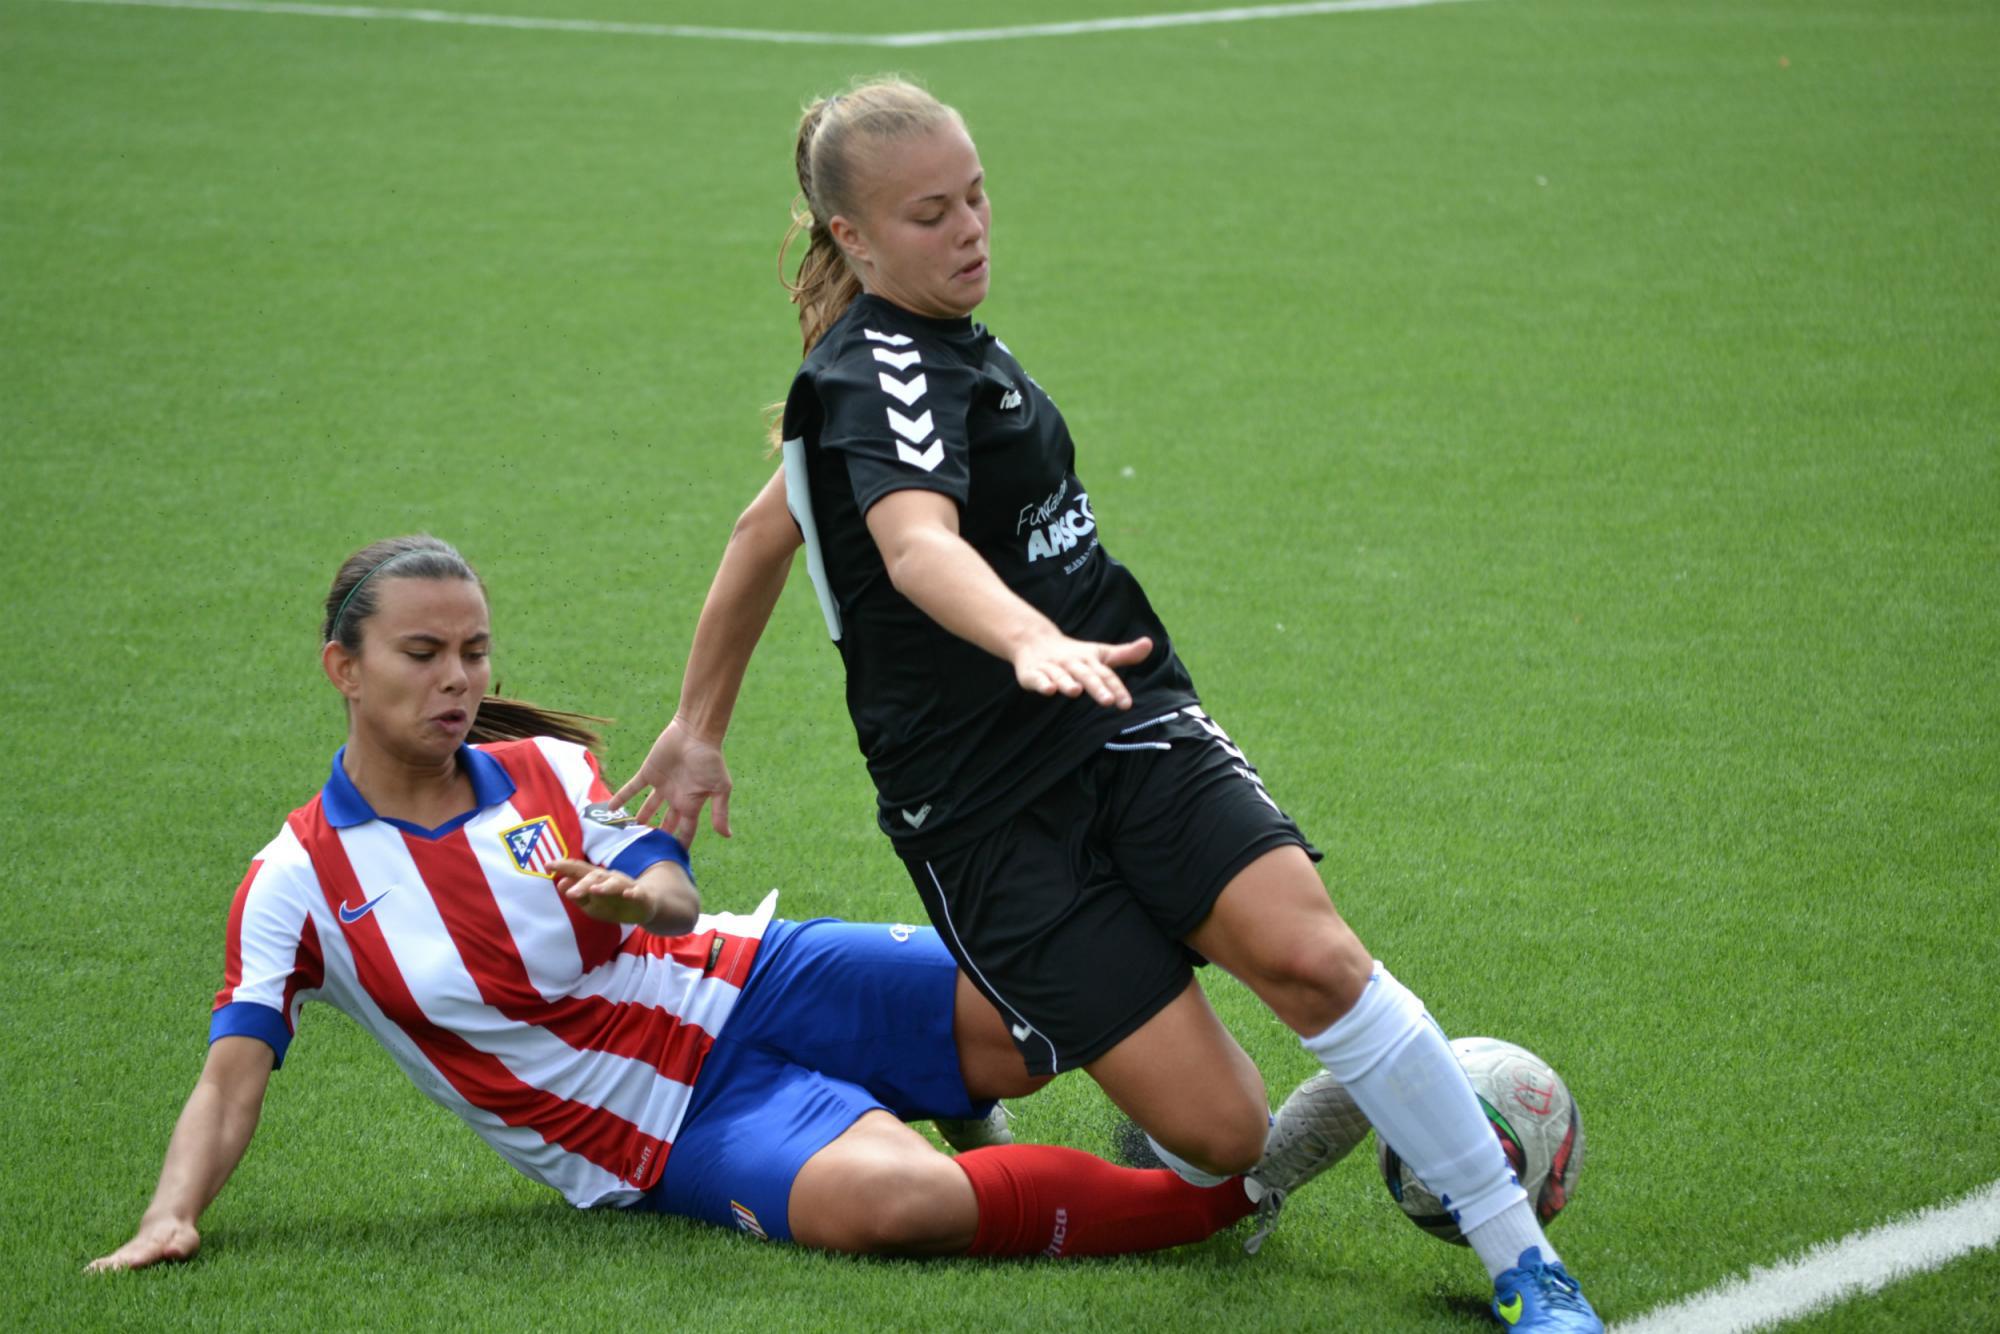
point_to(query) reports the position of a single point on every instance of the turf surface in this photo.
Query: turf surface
(1561, 436)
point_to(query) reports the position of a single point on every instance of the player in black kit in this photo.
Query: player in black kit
(1078, 828)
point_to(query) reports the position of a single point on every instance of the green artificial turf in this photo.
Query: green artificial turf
(1561, 436)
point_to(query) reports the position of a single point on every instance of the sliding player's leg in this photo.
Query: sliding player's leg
(880, 1188)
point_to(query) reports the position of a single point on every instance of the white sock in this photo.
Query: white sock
(1508, 1233)
(1394, 1059)
(1184, 1169)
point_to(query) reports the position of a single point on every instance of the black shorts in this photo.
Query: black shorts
(1070, 916)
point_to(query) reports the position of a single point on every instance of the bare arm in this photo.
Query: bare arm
(684, 770)
(662, 899)
(208, 1142)
(938, 570)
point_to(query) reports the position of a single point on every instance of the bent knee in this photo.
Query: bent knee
(1313, 979)
(896, 1210)
(1228, 1146)
(1332, 965)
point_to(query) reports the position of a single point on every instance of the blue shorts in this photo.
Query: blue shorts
(837, 1019)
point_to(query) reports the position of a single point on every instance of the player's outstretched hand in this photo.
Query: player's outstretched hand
(607, 895)
(1058, 665)
(155, 1241)
(682, 772)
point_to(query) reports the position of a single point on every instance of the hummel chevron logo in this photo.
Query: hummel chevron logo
(902, 361)
(893, 340)
(915, 430)
(353, 915)
(915, 819)
(906, 394)
(927, 459)
(1022, 1032)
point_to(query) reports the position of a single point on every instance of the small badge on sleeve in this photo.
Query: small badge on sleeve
(599, 812)
(535, 846)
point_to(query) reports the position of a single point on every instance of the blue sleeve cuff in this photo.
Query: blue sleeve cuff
(248, 1019)
(650, 849)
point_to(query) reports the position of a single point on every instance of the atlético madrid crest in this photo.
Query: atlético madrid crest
(535, 846)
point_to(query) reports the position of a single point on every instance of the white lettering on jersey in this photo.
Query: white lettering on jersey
(902, 361)
(1010, 399)
(1064, 532)
(904, 393)
(893, 340)
(1043, 512)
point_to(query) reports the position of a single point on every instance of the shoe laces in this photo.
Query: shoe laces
(1559, 1290)
(1268, 1209)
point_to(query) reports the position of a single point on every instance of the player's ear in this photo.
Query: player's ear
(341, 667)
(848, 237)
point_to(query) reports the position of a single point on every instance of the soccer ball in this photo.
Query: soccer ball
(1533, 1114)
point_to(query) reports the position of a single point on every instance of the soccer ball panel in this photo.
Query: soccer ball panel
(1532, 1115)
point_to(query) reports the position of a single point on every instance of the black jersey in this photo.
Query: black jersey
(887, 401)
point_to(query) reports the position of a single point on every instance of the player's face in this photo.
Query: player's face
(921, 237)
(415, 686)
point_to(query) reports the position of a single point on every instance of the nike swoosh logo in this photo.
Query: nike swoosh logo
(1510, 1310)
(353, 915)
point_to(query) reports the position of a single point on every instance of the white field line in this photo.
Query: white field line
(1834, 1272)
(689, 31)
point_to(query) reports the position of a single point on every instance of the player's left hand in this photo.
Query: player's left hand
(607, 895)
(1054, 664)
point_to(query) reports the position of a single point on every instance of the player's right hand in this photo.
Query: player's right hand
(155, 1241)
(1055, 664)
(683, 773)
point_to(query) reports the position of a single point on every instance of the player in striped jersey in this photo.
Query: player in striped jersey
(537, 963)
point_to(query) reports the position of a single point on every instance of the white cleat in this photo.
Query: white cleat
(983, 1133)
(1317, 1127)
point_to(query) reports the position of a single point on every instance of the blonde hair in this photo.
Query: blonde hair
(883, 108)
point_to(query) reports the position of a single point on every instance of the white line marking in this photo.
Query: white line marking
(692, 31)
(1836, 1271)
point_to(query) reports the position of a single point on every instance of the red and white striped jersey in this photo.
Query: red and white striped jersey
(569, 1044)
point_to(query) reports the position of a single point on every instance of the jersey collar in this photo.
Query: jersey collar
(345, 807)
(951, 324)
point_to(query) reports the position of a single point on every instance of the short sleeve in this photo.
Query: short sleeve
(895, 407)
(613, 839)
(271, 957)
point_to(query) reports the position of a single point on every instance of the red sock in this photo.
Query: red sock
(1040, 1199)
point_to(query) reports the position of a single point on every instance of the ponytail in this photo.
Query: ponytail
(503, 719)
(352, 600)
(826, 285)
(824, 159)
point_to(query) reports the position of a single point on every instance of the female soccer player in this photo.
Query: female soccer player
(1071, 854)
(534, 961)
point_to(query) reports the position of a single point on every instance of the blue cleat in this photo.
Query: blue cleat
(1537, 1296)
